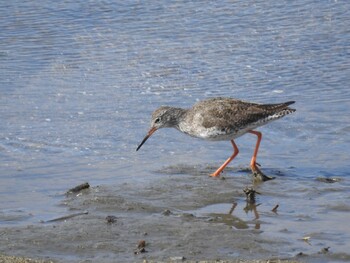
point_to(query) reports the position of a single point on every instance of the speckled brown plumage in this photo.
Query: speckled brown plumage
(219, 119)
(227, 119)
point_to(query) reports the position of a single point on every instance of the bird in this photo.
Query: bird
(220, 119)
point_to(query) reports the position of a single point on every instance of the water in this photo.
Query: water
(79, 79)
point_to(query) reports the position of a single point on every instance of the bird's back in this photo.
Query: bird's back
(228, 118)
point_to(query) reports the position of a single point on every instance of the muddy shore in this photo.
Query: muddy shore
(12, 259)
(179, 218)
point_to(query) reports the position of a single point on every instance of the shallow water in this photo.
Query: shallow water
(79, 80)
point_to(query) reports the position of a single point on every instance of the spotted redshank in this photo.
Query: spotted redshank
(220, 119)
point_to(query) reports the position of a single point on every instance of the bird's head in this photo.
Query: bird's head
(162, 117)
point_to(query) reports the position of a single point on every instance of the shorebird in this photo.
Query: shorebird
(220, 119)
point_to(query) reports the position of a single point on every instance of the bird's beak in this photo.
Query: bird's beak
(151, 131)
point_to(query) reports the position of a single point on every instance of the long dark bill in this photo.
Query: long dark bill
(151, 131)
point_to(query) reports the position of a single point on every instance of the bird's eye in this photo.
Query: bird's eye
(157, 120)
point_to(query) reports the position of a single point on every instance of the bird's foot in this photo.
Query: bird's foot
(215, 175)
(258, 175)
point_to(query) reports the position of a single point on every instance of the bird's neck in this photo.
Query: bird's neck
(177, 115)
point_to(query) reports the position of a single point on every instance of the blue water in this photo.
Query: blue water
(79, 80)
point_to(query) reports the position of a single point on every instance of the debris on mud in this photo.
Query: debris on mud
(324, 250)
(78, 188)
(250, 194)
(63, 218)
(234, 204)
(328, 180)
(275, 208)
(306, 240)
(111, 219)
(259, 176)
(140, 247)
(301, 254)
(167, 212)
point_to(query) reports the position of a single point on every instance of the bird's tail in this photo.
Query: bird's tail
(279, 106)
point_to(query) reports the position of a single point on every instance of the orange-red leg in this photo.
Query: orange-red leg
(253, 166)
(256, 171)
(222, 167)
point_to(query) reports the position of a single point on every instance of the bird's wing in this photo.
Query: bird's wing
(224, 113)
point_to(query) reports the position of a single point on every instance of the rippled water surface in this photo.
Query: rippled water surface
(79, 80)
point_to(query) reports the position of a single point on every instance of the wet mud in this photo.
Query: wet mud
(180, 215)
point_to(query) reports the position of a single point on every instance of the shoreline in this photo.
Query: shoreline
(20, 259)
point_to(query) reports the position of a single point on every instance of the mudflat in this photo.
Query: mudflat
(174, 218)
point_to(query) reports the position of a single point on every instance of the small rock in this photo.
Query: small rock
(250, 194)
(328, 180)
(141, 244)
(187, 215)
(139, 251)
(140, 247)
(111, 219)
(301, 254)
(324, 250)
(167, 212)
(78, 188)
